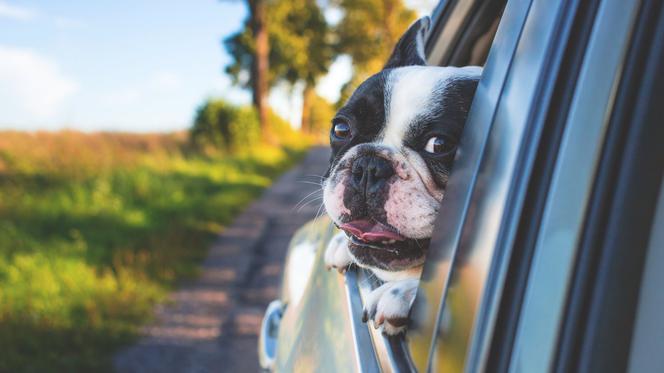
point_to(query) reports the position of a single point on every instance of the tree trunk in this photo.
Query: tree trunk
(307, 100)
(260, 65)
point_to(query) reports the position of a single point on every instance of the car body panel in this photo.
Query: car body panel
(318, 331)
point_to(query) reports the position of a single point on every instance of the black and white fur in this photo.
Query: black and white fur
(386, 174)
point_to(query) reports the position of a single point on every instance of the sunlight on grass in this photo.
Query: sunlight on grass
(95, 229)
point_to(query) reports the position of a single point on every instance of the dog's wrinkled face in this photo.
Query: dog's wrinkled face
(393, 144)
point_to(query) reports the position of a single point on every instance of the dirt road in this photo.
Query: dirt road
(211, 325)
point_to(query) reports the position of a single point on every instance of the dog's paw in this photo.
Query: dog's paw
(388, 305)
(336, 253)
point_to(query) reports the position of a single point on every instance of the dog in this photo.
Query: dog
(393, 144)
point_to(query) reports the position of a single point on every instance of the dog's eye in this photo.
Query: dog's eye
(438, 145)
(341, 130)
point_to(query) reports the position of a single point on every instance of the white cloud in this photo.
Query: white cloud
(32, 85)
(15, 12)
(19, 13)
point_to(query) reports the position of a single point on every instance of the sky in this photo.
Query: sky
(119, 65)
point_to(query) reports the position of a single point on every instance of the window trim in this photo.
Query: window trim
(535, 345)
(612, 254)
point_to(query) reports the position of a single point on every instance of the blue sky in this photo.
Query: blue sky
(123, 65)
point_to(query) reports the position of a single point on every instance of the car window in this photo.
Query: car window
(473, 30)
(463, 32)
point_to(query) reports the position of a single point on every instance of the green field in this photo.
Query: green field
(96, 228)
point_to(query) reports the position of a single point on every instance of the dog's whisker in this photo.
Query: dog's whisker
(310, 182)
(314, 194)
(305, 197)
(371, 276)
(309, 203)
(319, 212)
(318, 181)
(367, 280)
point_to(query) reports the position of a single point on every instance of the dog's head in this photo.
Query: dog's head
(393, 144)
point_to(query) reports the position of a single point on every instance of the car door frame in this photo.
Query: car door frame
(481, 235)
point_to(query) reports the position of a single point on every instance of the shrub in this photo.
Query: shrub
(224, 126)
(95, 229)
(322, 112)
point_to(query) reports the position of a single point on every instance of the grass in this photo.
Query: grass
(96, 228)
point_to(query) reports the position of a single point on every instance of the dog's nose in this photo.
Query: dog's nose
(370, 173)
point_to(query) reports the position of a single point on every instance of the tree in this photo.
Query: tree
(250, 48)
(300, 49)
(368, 31)
(320, 113)
(223, 126)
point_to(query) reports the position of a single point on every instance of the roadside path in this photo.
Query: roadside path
(212, 323)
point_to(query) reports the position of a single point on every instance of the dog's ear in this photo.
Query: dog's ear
(410, 48)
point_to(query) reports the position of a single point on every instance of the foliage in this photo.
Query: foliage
(96, 228)
(300, 47)
(299, 39)
(224, 126)
(322, 112)
(286, 135)
(303, 44)
(370, 29)
(368, 32)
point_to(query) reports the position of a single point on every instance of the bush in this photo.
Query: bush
(224, 126)
(321, 116)
(95, 229)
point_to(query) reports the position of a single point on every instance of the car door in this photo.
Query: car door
(318, 326)
(513, 257)
(526, 250)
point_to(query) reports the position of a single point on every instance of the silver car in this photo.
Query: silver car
(548, 254)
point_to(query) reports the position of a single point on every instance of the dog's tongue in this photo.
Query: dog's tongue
(369, 230)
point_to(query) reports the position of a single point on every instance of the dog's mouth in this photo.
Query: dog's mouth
(375, 244)
(369, 231)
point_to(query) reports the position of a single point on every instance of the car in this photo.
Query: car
(548, 252)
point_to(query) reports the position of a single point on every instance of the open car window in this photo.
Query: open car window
(461, 34)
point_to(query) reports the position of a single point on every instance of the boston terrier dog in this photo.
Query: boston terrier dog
(393, 144)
